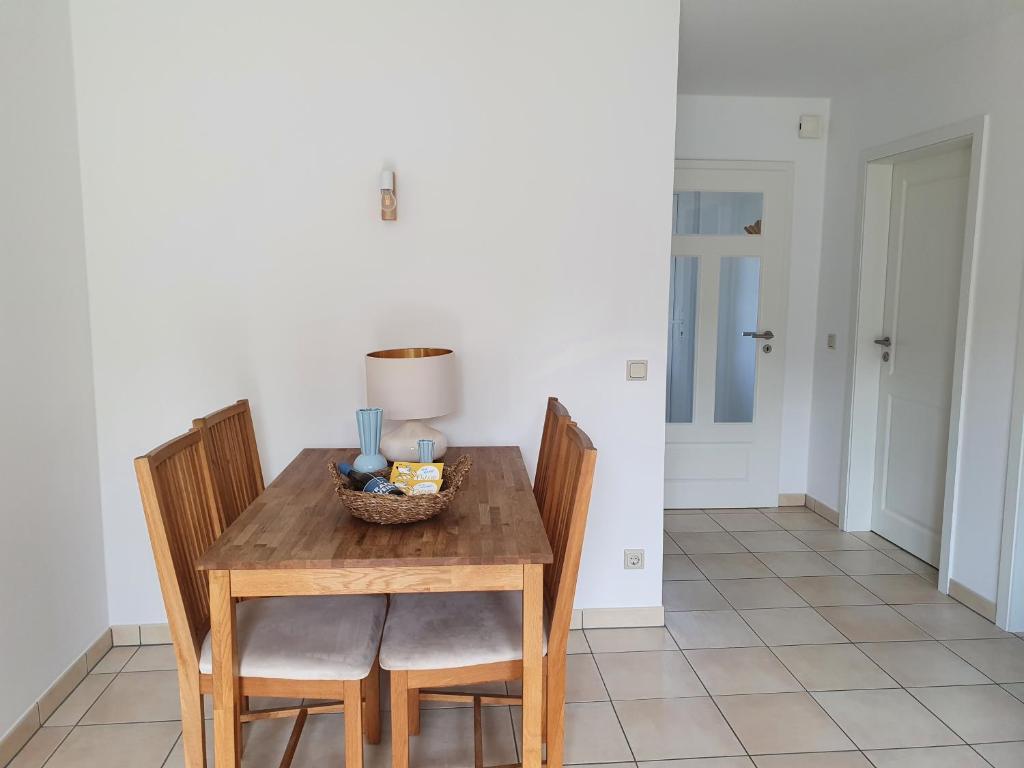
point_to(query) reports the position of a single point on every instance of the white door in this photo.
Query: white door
(730, 252)
(917, 348)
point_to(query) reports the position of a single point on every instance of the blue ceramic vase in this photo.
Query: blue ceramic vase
(369, 421)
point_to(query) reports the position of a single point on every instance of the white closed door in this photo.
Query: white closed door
(917, 348)
(725, 336)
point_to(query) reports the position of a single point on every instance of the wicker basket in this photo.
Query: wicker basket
(388, 509)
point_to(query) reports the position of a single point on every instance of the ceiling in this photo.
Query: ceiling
(814, 47)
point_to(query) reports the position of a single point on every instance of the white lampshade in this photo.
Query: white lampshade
(411, 383)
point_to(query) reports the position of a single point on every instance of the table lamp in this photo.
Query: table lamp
(411, 384)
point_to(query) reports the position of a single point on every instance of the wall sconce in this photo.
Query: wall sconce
(388, 201)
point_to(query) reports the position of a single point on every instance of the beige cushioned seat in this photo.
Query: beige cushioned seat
(306, 638)
(447, 630)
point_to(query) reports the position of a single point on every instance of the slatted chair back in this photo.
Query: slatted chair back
(230, 443)
(556, 419)
(182, 518)
(571, 485)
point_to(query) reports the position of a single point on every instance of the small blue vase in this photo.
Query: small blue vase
(369, 421)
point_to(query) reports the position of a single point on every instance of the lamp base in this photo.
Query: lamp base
(402, 443)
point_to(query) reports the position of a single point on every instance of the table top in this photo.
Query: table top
(299, 522)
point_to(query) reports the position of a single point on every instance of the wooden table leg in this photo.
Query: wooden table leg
(533, 660)
(226, 700)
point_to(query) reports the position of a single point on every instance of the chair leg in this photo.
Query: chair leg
(399, 719)
(371, 715)
(193, 730)
(353, 724)
(414, 711)
(554, 712)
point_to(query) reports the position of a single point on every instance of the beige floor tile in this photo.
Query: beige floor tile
(791, 626)
(80, 699)
(814, 760)
(828, 541)
(920, 567)
(1009, 755)
(871, 623)
(606, 765)
(865, 562)
(177, 757)
(684, 511)
(577, 642)
(924, 663)
(667, 729)
(691, 596)
(770, 541)
(742, 565)
(758, 593)
(928, 757)
(798, 564)
(801, 521)
(1001, 660)
(680, 568)
(710, 629)
(582, 679)
(152, 658)
(134, 745)
(698, 762)
(1016, 689)
(137, 697)
(744, 521)
(903, 590)
(741, 670)
(951, 622)
(708, 543)
(669, 547)
(630, 639)
(732, 510)
(833, 667)
(874, 540)
(831, 590)
(114, 660)
(691, 524)
(780, 723)
(648, 675)
(978, 713)
(886, 719)
(593, 734)
(39, 748)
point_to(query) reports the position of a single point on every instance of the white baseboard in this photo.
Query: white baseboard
(610, 618)
(972, 600)
(822, 509)
(792, 499)
(24, 729)
(141, 634)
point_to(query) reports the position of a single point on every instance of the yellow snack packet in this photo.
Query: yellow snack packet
(417, 479)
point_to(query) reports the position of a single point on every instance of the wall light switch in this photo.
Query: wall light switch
(830, 341)
(636, 370)
(810, 127)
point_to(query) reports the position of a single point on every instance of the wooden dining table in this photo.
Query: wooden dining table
(297, 538)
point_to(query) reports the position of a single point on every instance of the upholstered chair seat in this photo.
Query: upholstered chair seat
(449, 630)
(306, 638)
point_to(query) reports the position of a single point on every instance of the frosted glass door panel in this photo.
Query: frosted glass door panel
(717, 213)
(682, 337)
(739, 285)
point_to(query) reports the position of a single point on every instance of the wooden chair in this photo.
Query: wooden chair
(333, 657)
(230, 444)
(556, 419)
(467, 638)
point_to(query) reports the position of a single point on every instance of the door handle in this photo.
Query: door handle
(885, 341)
(759, 334)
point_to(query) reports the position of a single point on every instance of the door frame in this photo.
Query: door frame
(787, 169)
(857, 479)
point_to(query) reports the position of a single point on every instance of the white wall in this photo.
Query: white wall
(754, 128)
(230, 156)
(52, 593)
(976, 75)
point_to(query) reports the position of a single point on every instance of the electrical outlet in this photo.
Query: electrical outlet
(633, 559)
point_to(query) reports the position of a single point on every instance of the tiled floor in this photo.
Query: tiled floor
(788, 645)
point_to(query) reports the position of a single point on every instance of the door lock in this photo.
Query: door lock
(767, 349)
(766, 335)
